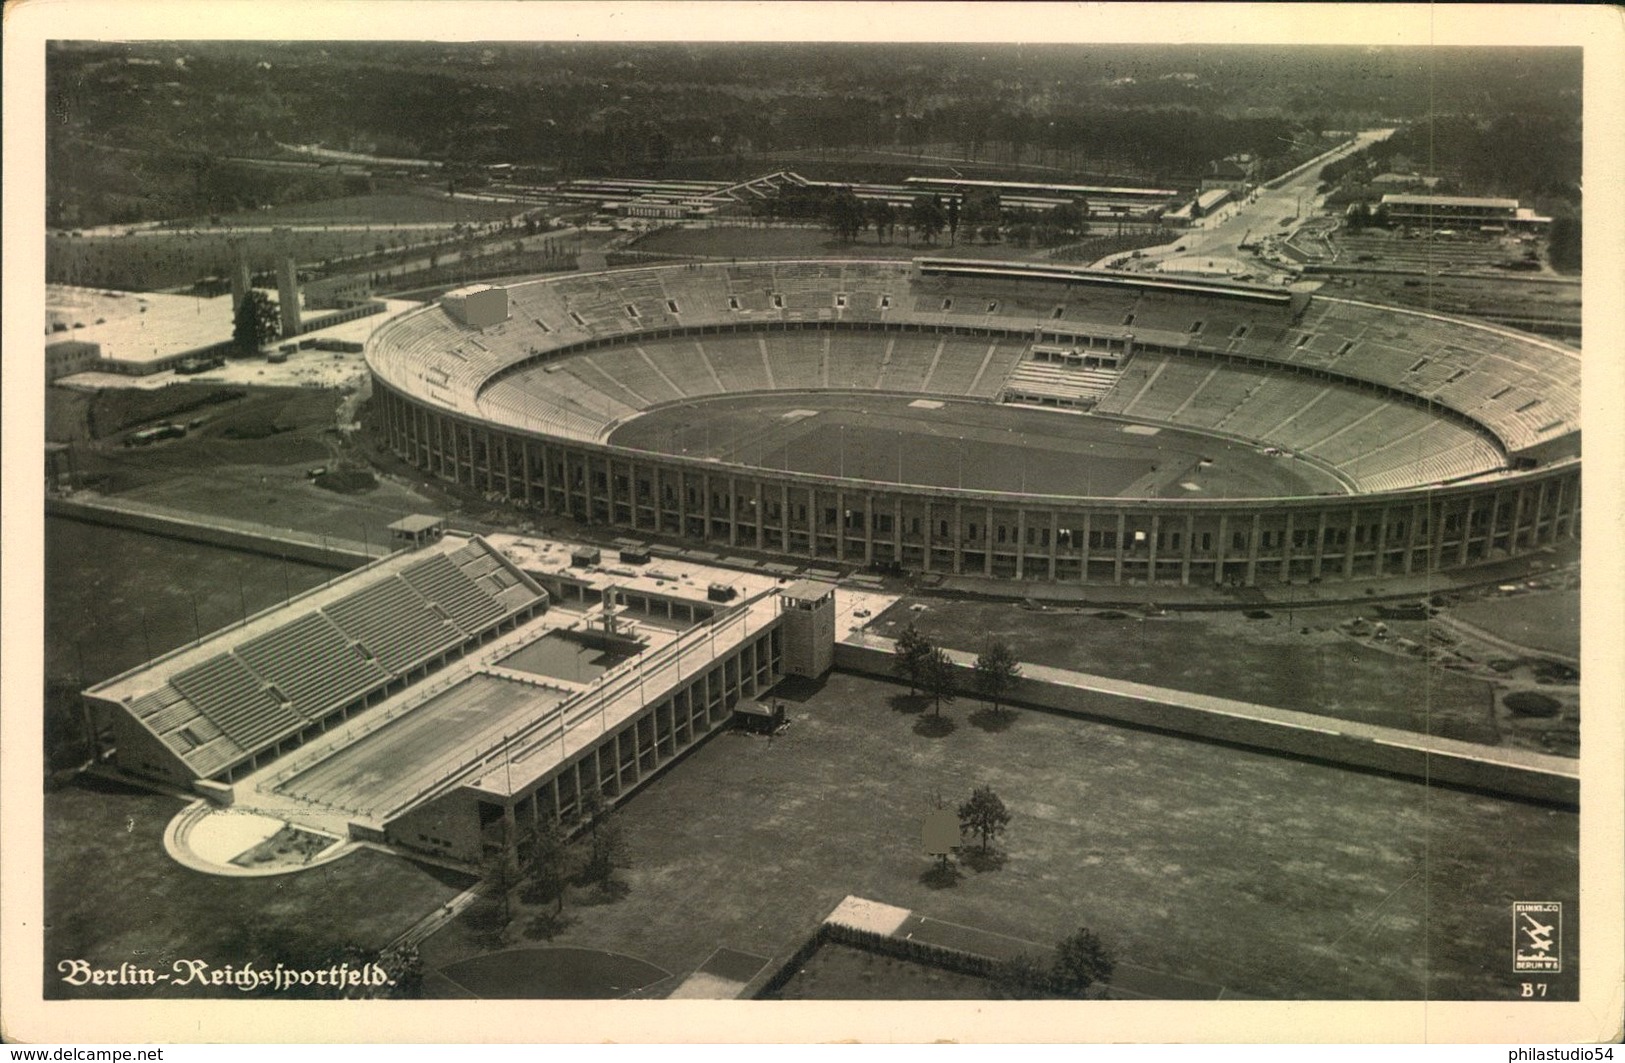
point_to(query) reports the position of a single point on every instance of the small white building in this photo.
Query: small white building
(478, 305)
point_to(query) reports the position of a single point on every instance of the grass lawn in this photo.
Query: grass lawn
(840, 972)
(116, 598)
(1270, 662)
(381, 208)
(171, 259)
(556, 974)
(1261, 874)
(1544, 620)
(117, 594)
(247, 461)
(112, 895)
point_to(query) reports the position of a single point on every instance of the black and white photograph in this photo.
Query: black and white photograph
(616, 509)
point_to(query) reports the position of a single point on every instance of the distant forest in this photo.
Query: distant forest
(145, 129)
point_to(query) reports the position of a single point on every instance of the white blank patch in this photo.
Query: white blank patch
(796, 415)
(862, 914)
(1187, 485)
(924, 404)
(1140, 430)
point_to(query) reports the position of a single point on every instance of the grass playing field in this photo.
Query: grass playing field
(977, 446)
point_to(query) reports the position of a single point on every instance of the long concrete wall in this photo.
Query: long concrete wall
(1514, 773)
(312, 550)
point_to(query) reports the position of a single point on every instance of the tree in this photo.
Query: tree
(500, 871)
(909, 658)
(1021, 977)
(1359, 217)
(1069, 218)
(995, 672)
(607, 848)
(981, 210)
(256, 323)
(984, 815)
(1081, 960)
(938, 679)
(404, 964)
(926, 217)
(953, 222)
(1563, 247)
(549, 861)
(845, 216)
(883, 218)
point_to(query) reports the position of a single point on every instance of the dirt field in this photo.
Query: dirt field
(1261, 874)
(975, 445)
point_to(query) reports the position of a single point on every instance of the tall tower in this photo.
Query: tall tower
(287, 290)
(808, 609)
(239, 275)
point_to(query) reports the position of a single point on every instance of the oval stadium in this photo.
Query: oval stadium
(1018, 421)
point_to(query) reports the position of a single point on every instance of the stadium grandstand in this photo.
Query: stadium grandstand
(1453, 442)
(220, 707)
(461, 687)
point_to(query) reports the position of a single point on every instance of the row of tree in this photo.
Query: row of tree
(928, 668)
(543, 857)
(978, 214)
(1081, 960)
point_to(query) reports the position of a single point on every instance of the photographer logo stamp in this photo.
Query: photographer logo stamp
(1537, 936)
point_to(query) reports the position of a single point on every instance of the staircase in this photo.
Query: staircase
(1049, 384)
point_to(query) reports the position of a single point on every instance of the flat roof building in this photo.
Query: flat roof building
(1433, 211)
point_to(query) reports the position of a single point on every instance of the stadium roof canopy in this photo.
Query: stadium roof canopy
(1403, 200)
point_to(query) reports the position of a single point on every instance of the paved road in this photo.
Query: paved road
(1220, 235)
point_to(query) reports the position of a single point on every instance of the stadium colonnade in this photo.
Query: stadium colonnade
(516, 405)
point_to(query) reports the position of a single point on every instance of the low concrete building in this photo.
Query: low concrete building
(69, 357)
(478, 306)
